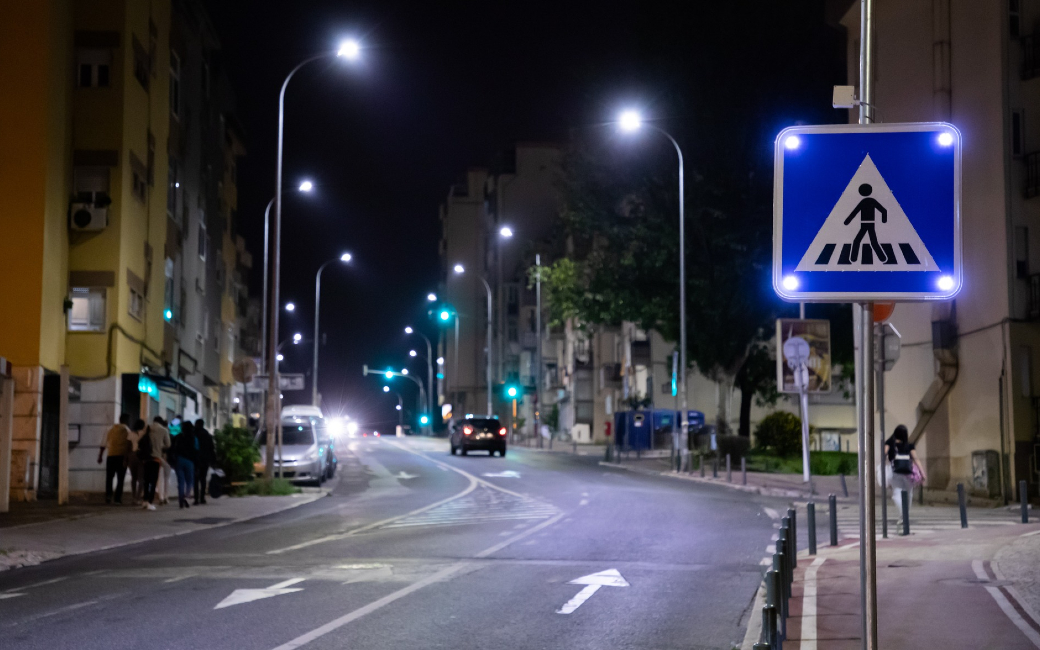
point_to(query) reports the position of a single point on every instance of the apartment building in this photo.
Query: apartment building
(89, 93)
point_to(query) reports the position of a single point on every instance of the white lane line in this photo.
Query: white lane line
(1013, 592)
(1035, 532)
(773, 514)
(809, 605)
(440, 576)
(1005, 606)
(583, 502)
(40, 584)
(179, 578)
(579, 599)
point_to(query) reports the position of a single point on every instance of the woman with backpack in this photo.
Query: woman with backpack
(182, 459)
(907, 469)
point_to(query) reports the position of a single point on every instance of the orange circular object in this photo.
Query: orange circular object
(883, 311)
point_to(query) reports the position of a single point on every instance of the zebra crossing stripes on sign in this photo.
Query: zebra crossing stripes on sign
(867, 229)
(867, 212)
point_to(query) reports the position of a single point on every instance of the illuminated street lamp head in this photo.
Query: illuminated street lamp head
(440, 361)
(290, 306)
(412, 353)
(345, 257)
(386, 389)
(398, 407)
(431, 297)
(460, 269)
(296, 338)
(404, 371)
(408, 330)
(389, 374)
(506, 232)
(280, 357)
(306, 186)
(349, 49)
(630, 121)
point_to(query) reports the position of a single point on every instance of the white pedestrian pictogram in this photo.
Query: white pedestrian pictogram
(867, 230)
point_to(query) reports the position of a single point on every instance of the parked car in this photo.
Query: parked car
(308, 453)
(479, 432)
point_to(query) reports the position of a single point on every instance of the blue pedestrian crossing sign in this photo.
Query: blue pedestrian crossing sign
(867, 212)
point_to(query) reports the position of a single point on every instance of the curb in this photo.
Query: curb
(289, 506)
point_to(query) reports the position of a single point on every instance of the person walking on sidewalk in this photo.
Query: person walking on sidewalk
(182, 458)
(134, 462)
(906, 466)
(118, 448)
(205, 458)
(157, 443)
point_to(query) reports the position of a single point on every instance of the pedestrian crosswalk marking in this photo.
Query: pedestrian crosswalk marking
(867, 230)
(482, 505)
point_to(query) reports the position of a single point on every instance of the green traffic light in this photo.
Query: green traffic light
(425, 419)
(512, 391)
(445, 314)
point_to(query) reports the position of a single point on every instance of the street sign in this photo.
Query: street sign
(294, 381)
(803, 344)
(867, 212)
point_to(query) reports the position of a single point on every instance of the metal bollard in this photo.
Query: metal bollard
(769, 628)
(1023, 496)
(810, 523)
(700, 462)
(793, 537)
(778, 589)
(785, 548)
(833, 502)
(743, 470)
(844, 486)
(905, 498)
(575, 449)
(729, 470)
(964, 506)
(715, 467)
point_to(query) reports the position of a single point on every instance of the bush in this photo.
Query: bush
(236, 453)
(781, 432)
(275, 487)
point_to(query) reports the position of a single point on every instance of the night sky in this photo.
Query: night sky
(445, 86)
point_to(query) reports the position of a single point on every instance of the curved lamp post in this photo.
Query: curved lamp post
(344, 258)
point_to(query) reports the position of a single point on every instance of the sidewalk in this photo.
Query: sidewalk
(973, 588)
(39, 531)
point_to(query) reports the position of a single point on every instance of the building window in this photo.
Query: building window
(173, 190)
(202, 240)
(136, 305)
(93, 66)
(1014, 18)
(91, 186)
(88, 310)
(1018, 143)
(1021, 252)
(141, 65)
(175, 84)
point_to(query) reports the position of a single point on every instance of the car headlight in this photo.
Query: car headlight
(311, 454)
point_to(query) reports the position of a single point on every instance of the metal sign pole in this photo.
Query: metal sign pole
(881, 367)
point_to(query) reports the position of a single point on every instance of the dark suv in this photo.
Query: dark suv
(485, 433)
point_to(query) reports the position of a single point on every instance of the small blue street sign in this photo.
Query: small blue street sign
(867, 213)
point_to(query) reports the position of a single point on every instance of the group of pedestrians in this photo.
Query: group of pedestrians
(150, 453)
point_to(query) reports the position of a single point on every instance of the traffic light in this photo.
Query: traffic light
(443, 314)
(424, 419)
(513, 391)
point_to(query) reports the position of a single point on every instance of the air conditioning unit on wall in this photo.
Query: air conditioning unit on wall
(87, 217)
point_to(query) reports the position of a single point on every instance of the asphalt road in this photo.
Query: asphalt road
(418, 549)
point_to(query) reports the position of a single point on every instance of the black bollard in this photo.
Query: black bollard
(810, 525)
(793, 537)
(715, 467)
(778, 589)
(963, 505)
(833, 502)
(905, 497)
(729, 470)
(844, 486)
(743, 470)
(700, 461)
(1023, 496)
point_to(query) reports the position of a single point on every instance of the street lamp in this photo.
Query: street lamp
(631, 121)
(412, 353)
(431, 297)
(304, 188)
(506, 232)
(344, 258)
(459, 270)
(290, 307)
(348, 50)
(429, 365)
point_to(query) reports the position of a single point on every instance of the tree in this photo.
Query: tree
(620, 221)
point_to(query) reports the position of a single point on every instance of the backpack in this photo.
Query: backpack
(902, 462)
(144, 446)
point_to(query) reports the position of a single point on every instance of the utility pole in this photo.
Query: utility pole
(538, 346)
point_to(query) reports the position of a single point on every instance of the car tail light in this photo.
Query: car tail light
(502, 431)
(467, 430)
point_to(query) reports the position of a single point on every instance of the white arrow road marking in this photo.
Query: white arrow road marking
(240, 596)
(506, 474)
(406, 476)
(9, 595)
(608, 578)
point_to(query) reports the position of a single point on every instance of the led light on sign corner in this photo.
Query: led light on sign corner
(945, 283)
(945, 139)
(792, 142)
(790, 282)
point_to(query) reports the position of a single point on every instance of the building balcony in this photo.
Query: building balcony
(1032, 185)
